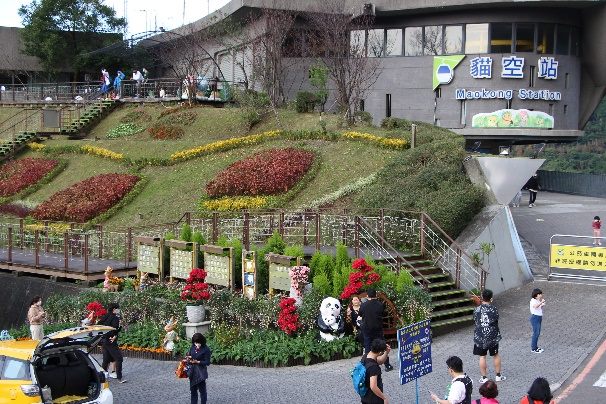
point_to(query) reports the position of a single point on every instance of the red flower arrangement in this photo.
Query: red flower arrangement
(364, 276)
(288, 319)
(86, 199)
(267, 173)
(196, 289)
(20, 174)
(96, 308)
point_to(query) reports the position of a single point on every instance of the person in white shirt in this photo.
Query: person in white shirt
(138, 77)
(536, 317)
(461, 386)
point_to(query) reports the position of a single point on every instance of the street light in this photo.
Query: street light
(145, 11)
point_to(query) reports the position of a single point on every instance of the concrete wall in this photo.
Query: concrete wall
(507, 264)
(16, 293)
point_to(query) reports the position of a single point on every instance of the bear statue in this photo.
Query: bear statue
(330, 322)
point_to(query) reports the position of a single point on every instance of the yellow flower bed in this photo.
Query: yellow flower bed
(101, 152)
(235, 203)
(391, 143)
(56, 228)
(35, 146)
(223, 145)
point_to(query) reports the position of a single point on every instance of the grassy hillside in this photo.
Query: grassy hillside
(178, 187)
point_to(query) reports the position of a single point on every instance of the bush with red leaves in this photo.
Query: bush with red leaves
(288, 319)
(195, 289)
(267, 173)
(161, 131)
(15, 209)
(86, 199)
(363, 277)
(20, 174)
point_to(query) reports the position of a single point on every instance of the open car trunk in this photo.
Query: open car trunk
(70, 376)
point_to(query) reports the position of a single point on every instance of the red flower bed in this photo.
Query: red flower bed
(86, 199)
(363, 277)
(15, 210)
(162, 131)
(266, 173)
(20, 174)
(288, 319)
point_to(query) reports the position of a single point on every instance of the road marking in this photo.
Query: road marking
(581, 376)
(601, 382)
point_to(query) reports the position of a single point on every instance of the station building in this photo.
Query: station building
(503, 72)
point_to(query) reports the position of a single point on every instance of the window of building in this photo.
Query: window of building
(563, 40)
(393, 42)
(551, 109)
(357, 42)
(453, 39)
(362, 106)
(566, 80)
(375, 42)
(476, 38)
(524, 38)
(463, 112)
(531, 76)
(545, 38)
(432, 40)
(565, 109)
(438, 92)
(388, 105)
(508, 104)
(413, 41)
(500, 38)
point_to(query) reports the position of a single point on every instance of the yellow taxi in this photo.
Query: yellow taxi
(58, 369)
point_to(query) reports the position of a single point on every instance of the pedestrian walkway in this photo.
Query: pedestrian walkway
(575, 316)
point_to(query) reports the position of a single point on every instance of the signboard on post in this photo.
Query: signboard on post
(249, 274)
(279, 267)
(414, 348)
(149, 255)
(219, 264)
(182, 258)
(577, 257)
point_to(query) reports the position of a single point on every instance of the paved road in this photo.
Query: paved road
(567, 337)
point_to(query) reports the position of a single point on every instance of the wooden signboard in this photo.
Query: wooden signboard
(219, 264)
(149, 255)
(279, 267)
(249, 274)
(182, 258)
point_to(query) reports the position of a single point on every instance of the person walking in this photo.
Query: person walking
(489, 392)
(198, 359)
(539, 393)
(372, 312)
(596, 225)
(35, 317)
(105, 82)
(533, 188)
(109, 343)
(118, 84)
(461, 386)
(536, 318)
(138, 77)
(377, 355)
(487, 335)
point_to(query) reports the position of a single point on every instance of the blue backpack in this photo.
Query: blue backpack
(358, 377)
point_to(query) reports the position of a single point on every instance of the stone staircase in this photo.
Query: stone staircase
(451, 307)
(10, 147)
(92, 114)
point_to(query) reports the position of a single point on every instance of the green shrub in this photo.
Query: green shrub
(364, 116)
(405, 280)
(342, 256)
(294, 251)
(186, 233)
(306, 101)
(136, 116)
(322, 285)
(198, 237)
(395, 123)
(275, 244)
(181, 118)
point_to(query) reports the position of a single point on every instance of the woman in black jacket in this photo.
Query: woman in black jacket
(198, 359)
(533, 188)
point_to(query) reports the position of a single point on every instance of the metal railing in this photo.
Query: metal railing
(166, 87)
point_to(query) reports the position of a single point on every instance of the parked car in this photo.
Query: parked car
(57, 369)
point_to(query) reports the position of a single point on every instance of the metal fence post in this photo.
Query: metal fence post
(21, 233)
(357, 237)
(129, 247)
(215, 231)
(66, 250)
(10, 245)
(318, 227)
(422, 233)
(37, 243)
(281, 228)
(458, 269)
(382, 226)
(100, 230)
(86, 254)
(188, 218)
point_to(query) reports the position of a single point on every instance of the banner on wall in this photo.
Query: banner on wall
(513, 118)
(443, 68)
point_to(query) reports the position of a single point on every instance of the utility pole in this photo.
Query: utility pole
(183, 22)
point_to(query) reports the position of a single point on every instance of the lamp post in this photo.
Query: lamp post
(145, 11)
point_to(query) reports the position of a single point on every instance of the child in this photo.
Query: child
(596, 225)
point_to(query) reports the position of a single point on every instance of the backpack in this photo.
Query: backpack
(358, 377)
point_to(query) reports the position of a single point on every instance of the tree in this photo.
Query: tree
(62, 32)
(339, 37)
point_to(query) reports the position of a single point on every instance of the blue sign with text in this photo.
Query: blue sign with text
(414, 346)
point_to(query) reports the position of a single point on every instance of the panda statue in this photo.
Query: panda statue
(330, 322)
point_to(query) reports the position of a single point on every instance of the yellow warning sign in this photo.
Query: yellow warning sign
(578, 257)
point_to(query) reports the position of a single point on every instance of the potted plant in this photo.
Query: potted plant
(195, 293)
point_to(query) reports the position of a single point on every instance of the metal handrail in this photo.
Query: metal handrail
(381, 243)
